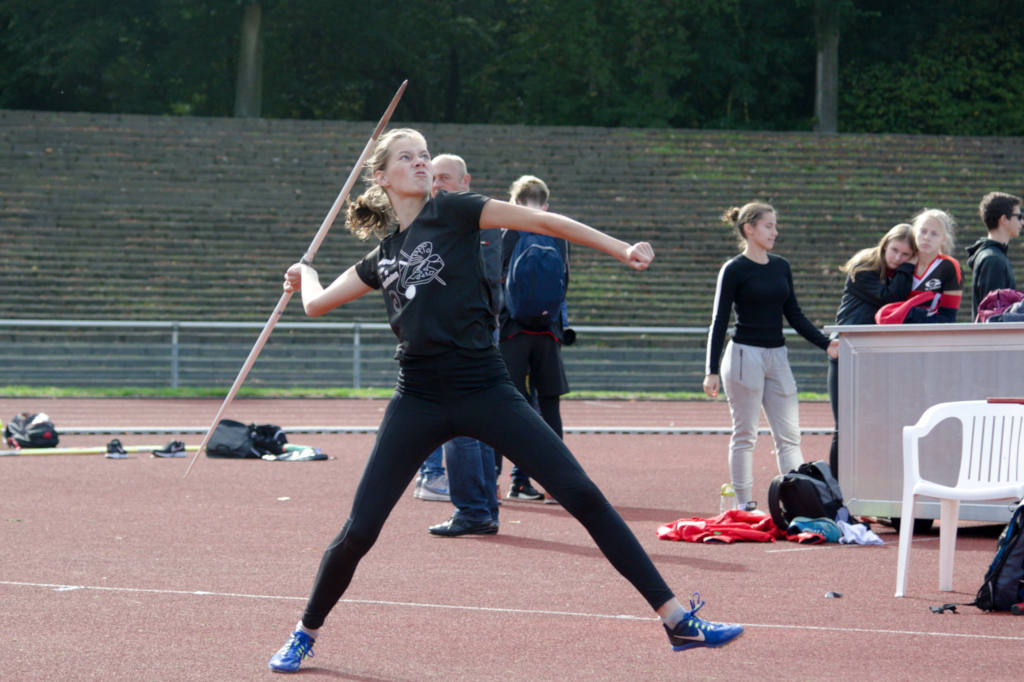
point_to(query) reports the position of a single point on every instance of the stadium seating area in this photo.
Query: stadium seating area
(141, 217)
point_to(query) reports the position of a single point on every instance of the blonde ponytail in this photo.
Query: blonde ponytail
(370, 214)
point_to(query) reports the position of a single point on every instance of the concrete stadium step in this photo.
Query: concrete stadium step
(189, 206)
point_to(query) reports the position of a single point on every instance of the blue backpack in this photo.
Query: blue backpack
(1003, 586)
(537, 280)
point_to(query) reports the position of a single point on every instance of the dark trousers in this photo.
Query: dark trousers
(534, 362)
(455, 395)
(833, 398)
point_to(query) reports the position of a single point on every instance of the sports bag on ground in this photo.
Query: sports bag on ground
(537, 280)
(268, 438)
(232, 439)
(809, 490)
(1004, 581)
(31, 431)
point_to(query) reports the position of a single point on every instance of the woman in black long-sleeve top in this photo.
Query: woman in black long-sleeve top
(876, 276)
(758, 286)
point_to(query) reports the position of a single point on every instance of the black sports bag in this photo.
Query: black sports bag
(232, 439)
(809, 490)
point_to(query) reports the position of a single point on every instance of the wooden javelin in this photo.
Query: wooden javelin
(282, 303)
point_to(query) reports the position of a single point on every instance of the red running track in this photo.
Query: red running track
(125, 570)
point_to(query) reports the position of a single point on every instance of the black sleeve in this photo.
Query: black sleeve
(866, 286)
(920, 316)
(798, 321)
(367, 269)
(725, 294)
(991, 274)
(466, 207)
(508, 242)
(949, 271)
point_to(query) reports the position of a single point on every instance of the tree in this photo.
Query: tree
(249, 88)
(915, 66)
(935, 67)
(826, 83)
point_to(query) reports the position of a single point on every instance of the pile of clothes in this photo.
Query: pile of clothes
(738, 525)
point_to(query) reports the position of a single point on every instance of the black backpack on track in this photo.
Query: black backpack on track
(233, 439)
(31, 431)
(268, 438)
(809, 490)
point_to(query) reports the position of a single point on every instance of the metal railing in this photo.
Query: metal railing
(110, 353)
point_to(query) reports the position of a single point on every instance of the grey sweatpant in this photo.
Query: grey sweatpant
(754, 378)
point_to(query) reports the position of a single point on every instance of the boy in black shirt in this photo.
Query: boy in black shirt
(987, 257)
(533, 354)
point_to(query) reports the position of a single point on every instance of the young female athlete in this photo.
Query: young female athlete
(936, 270)
(755, 371)
(451, 379)
(874, 277)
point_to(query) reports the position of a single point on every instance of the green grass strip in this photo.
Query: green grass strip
(22, 391)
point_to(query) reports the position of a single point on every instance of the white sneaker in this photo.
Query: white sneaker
(433, 489)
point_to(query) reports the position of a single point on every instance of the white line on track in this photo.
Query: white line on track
(488, 609)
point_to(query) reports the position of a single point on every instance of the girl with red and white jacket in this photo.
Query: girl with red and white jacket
(937, 283)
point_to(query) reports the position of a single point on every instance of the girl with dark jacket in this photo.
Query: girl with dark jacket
(874, 277)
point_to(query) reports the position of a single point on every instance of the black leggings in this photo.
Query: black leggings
(459, 396)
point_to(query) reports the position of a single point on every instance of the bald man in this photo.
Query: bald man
(472, 478)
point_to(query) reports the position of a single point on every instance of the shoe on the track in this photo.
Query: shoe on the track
(289, 657)
(115, 450)
(692, 632)
(173, 449)
(524, 491)
(433, 488)
(456, 526)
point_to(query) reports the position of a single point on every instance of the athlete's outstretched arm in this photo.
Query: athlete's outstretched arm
(315, 299)
(503, 214)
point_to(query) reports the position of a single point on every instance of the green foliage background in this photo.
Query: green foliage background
(907, 66)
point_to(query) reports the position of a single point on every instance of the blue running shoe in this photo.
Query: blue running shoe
(692, 632)
(289, 657)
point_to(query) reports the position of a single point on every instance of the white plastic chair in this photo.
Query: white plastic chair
(991, 468)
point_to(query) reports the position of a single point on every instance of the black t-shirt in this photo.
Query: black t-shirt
(761, 295)
(433, 279)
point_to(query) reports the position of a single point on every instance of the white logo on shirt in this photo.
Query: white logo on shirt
(414, 270)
